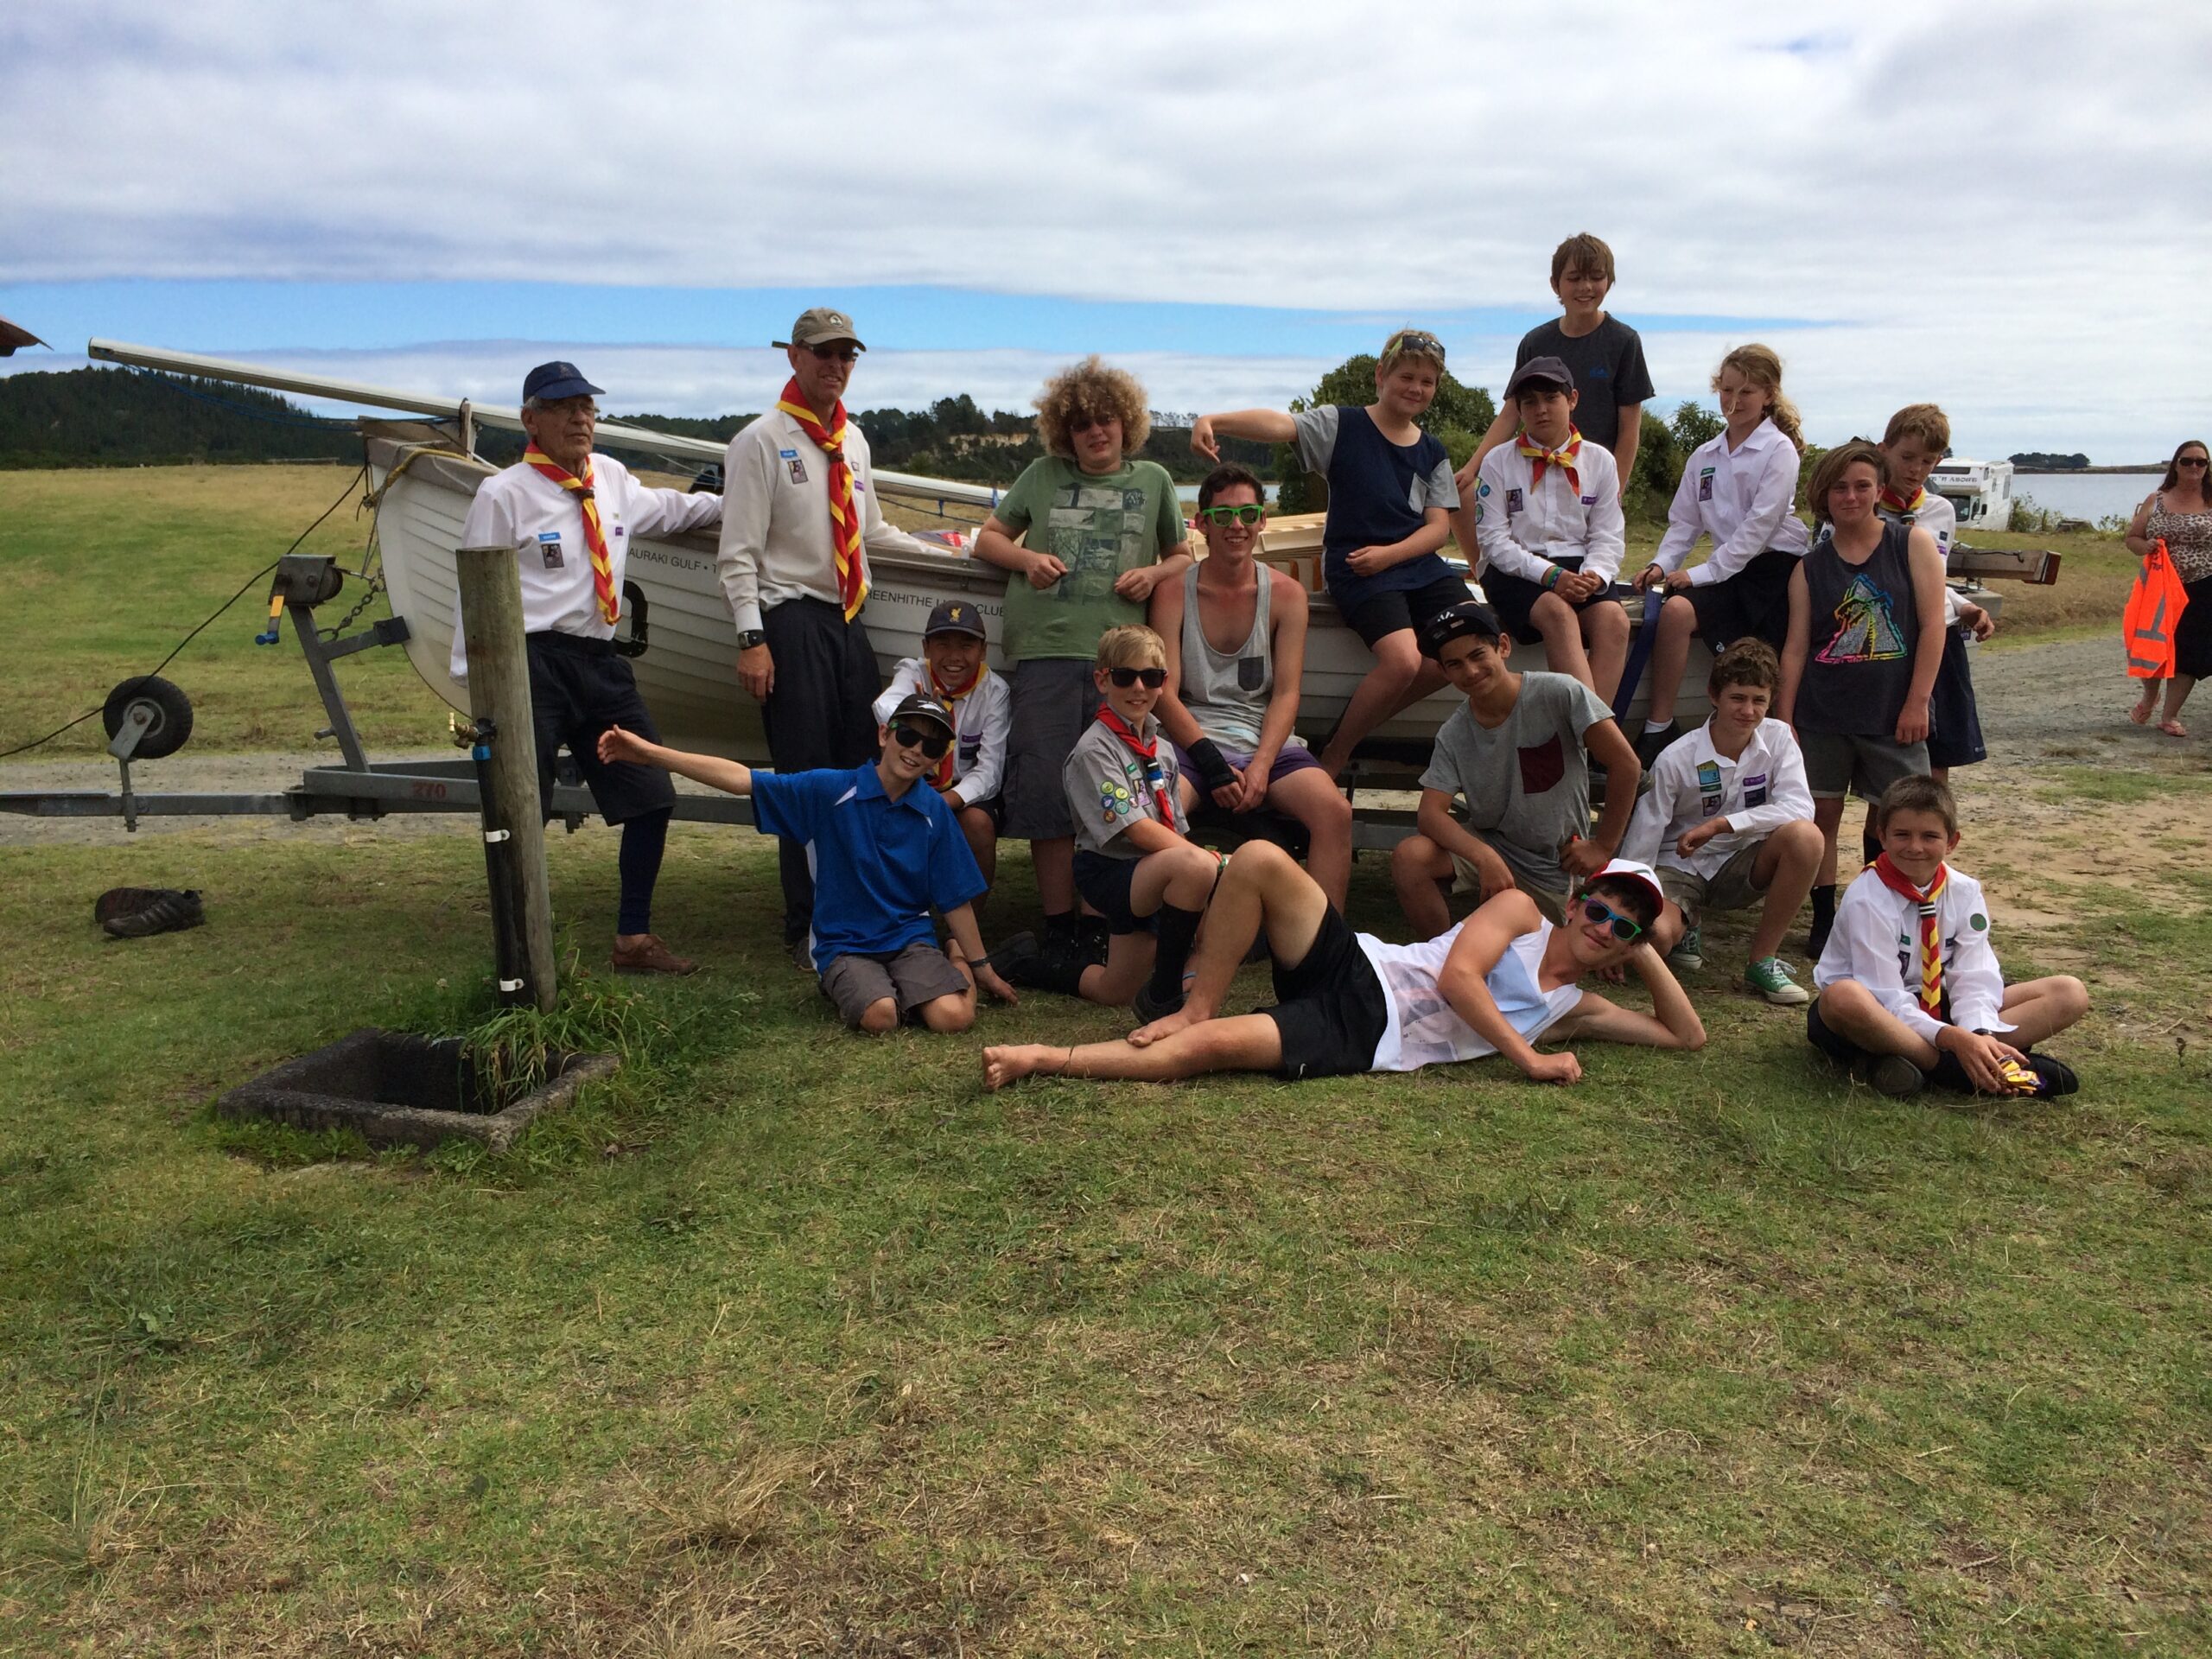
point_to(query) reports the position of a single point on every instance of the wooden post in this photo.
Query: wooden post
(499, 689)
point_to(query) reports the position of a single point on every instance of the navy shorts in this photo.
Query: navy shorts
(1954, 720)
(1380, 615)
(1513, 597)
(1754, 603)
(578, 688)
(1104, 884)
(1330, 1009)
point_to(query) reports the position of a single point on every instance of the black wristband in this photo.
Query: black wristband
(1214, 770)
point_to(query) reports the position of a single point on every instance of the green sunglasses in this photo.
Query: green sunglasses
(1249, 513)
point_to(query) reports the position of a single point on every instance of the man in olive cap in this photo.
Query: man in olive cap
(799, 519)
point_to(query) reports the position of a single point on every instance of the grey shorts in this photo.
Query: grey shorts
(1053, 700)
(1550, 899)
(1837, 763)
(1729, 887)
(910, 976)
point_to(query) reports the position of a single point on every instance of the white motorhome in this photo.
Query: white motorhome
(1979, 491)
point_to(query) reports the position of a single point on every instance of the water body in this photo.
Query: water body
(2086, 495)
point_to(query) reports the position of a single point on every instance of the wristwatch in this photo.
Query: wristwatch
(749, 638)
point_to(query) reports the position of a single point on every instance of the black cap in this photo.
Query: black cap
(552, 381)
(919, 705)
(954, 616)
(1540, 368)
(1455, 622)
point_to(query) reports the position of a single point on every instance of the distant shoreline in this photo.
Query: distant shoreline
(2158, 466)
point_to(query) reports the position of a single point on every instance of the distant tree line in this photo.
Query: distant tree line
(2037, 460)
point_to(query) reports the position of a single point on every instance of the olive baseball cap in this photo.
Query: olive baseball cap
(820, 326)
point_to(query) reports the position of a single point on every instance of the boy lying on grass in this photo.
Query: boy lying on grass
(1497, 984)
(884, 853)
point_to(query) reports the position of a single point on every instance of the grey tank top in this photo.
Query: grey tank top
(1864, 627)
(1228, 696)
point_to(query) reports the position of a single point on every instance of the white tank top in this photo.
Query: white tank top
(1424, 1031)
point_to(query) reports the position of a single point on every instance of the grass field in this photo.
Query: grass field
(793, 1343)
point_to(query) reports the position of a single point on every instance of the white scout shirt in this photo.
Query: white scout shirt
(1524, 530)
(981, 721)
(1939, 518)
(776, 545)
(1757, 792)
(1876, 941)
(1742, 499)
(523, 509)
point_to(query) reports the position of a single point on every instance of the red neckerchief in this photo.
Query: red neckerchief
(1155, 775)
(844, 517)
(1564, 458)
(602, 567)
(1897, 504)
(1930, 992)
(949, 697)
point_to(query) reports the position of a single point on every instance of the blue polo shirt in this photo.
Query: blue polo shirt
(880, 866)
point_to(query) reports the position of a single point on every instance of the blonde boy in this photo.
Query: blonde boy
(1910, 991)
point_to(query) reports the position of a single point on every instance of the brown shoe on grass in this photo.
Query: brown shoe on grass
(647, 955)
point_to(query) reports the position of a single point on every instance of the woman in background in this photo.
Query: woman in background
(2179, 513)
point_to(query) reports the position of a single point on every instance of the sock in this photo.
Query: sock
(1179, 928)
(1651, 726)
(1871, 845)
(643, 841)
(1949, 1074)
(1824, 905)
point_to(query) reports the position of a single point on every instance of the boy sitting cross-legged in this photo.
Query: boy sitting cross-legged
(1501, 982)
(1548, 522)
(1910, 991)
(1519, 750)
(1728, 821)
(884, 853)
(1132, 864)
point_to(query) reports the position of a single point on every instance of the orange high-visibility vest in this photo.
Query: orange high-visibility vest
(2154, 608)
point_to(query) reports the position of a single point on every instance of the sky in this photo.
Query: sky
(2001, 208)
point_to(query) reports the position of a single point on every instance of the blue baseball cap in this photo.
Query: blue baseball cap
(552, 381)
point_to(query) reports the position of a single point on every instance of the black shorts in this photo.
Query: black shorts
(1104, 884)
(1953, 721)
(994, 808)
(578, 688)
(1752, 603)
(1839, 1047)
(1330, 1009)
(1379, 615)
(1513, 597)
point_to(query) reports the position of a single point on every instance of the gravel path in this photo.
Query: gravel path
(2064, 701)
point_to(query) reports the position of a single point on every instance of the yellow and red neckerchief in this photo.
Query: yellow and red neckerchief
(949, 697)
(1897, 504)
(1564, 458)
(844, 519)
(602, 567)
(1928, 903)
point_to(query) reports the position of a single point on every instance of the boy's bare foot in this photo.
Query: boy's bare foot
(1166, 1025)
(1016, 1061)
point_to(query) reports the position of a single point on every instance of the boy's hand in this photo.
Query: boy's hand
(1912, 724)
(1229, 797)
(1137, 585)
(1553, 1068)
(1203, 440)
(615, 744)
(1648, 577)
(1577, 587)
(1679, 582)
(1251, 788)
(1496, 875)
(1368, 561)
(1585, 856)
(1043, 569)
(1467, 478)
(1978, 1056)
(756, 672)
(1979, 622)
(988, 977)
(1698, 834)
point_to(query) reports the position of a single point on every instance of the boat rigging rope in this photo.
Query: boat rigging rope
(358, 477)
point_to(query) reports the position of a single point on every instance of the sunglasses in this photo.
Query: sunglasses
(1247, 514)
(840, 353)
(1125, 677)
(932, 743)
(1084, 422)
(1418, 342)
(1596, 910)
(2193, 460)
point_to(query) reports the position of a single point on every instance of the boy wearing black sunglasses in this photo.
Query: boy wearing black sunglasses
(884, 853)
(1132, 864)
(1499, 983)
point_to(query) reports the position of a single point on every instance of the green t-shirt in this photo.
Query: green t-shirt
(1097, 523)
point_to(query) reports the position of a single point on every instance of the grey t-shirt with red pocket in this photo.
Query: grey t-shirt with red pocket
(1527, 781)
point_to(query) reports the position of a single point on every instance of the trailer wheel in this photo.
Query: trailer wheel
(172, 711)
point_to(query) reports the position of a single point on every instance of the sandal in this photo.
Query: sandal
(2141, 713)
(2173, 729)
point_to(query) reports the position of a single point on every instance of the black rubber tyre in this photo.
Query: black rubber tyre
(172, 714)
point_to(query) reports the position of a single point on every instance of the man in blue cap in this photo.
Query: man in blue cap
(570, 515)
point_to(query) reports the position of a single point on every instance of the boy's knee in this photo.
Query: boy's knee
(1605, 621)
(1415, 855)
(1799, 836)
(1398, 656)
(948, 1014)
(1550, 611)
(1257, 857)
(2072, 995)
(879, 1017)
(1678, 614)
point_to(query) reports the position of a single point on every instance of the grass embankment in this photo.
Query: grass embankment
(115, 567)
(791, 1342)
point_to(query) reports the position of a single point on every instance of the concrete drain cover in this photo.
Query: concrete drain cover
(397, 1088)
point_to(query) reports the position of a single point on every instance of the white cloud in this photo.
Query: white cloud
(2005, 206)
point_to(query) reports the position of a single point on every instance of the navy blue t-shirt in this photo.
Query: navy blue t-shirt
(1607, 365)
(1379, 494)
(880, 866)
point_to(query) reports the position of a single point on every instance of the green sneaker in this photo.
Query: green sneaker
(1770, 979)
(1689, 956)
